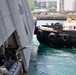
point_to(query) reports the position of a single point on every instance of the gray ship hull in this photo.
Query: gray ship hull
(16, 29)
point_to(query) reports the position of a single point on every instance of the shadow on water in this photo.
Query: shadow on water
(45, 49)
(53, 61)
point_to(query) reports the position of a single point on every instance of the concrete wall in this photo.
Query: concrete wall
(69, 5)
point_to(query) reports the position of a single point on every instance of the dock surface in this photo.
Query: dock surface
(49, 16)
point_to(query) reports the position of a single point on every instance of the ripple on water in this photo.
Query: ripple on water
(52, 61)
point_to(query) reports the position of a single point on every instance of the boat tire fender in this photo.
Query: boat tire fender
(65, 37)
(52, 36)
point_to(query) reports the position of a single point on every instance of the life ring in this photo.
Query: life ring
(70, 27)
(52, 36)
(65, 37)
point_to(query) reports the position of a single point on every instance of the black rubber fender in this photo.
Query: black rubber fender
(52, 36)
(65, 37)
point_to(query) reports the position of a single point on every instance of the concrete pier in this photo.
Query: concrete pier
(53, 16)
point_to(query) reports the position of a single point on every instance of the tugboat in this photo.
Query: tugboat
(57, 35)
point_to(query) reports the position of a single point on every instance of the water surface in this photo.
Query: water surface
(51, 61)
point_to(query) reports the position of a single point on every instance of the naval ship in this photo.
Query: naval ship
(16, 32)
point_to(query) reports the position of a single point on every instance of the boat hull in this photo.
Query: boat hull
(61, 38)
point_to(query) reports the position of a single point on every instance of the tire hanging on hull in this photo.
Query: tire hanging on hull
(52, 36)
(65, 37)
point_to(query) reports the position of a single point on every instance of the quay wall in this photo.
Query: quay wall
(53, 16)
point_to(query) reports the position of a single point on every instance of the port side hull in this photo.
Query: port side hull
(60, 39)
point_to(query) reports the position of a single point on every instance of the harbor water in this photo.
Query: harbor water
(51, 61)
